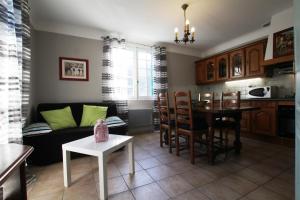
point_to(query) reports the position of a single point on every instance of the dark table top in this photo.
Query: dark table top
(11, 156)
(224, 110)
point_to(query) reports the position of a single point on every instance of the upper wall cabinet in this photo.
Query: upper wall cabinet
(237, 64)
(222, 67)
(243, 62)
(254, 59)
(200, 72)
(210, 70)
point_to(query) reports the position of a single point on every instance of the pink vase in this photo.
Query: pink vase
(101, 131)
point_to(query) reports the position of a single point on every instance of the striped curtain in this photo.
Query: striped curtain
(160, 79)
(109, 89)
(14, 68)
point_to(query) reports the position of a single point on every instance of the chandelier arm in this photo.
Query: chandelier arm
(186, 36)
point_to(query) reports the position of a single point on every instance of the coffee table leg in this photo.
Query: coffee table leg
(67, 169)
(102, 177)
(131, 158)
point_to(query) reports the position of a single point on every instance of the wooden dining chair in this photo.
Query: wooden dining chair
(167, 123)
(208, 98)
(228, 100)
(185, 125)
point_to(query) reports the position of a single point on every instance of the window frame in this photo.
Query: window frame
(136, 82)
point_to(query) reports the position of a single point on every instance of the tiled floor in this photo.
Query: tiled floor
(262, 172)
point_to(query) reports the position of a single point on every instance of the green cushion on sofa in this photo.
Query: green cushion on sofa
(91, 114)
(60, 118)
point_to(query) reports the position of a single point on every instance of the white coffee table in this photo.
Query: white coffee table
(101, 150)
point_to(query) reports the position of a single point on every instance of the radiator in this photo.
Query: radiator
(140, 120)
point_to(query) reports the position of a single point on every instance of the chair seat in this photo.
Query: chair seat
(225, 122)
(171, 123)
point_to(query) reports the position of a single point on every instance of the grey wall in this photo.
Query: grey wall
(48, 48)
(46, 86)
(181, 72)
(297, 57)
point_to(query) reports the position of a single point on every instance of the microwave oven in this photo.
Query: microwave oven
(262, 92)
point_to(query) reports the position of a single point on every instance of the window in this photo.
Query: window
(133, 70)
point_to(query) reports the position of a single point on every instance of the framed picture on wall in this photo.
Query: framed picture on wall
(283, 43)
(74, 69)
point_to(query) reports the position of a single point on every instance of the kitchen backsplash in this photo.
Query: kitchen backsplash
(285, 84)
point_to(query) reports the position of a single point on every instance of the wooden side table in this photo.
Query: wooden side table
(101, 150)
(12, 170)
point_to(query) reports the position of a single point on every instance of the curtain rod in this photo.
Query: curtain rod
(129, 42)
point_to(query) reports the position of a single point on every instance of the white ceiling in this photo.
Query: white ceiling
(153, 21)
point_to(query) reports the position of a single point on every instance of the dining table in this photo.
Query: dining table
(211, 113)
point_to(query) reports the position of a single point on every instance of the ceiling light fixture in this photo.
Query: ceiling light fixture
(189, 35)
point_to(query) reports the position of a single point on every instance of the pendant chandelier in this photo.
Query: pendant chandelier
(189, 35)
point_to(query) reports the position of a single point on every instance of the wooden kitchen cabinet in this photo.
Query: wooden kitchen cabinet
(200, 72)
(246, 119)
(237, 64)
(264, 119)
(222, 67)
(210, 71)
(254, 59)
(246, 61)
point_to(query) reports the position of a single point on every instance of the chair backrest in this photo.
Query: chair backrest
(163, 107)
(183, 109)
(231, 99)
(209, 98)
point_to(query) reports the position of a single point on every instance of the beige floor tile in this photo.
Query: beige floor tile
(182, 166)
(149, 163)
(42, 188)
(116, 185)
(52, 196)
(124, 167)
(197, 177)
(245, 198)
(267, 169)
(159, 151)
(141, 155)
(254, 176)
(217, 191)
(216, 171)
(140, 178)
(81, 192)
(122, 196)
(264, 194)
(83, 178)
(168, 158)
(288, 176)
(230, 166)
(112, 172)
(238, 184)
(149, 192)
(243, 160)
(192, 195)
(51, 172)
(272, 169)
(161, 172)
(175, 185)
(281, 187)
(274, 162)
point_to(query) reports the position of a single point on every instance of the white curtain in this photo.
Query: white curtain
(14, 57)
(113, 78)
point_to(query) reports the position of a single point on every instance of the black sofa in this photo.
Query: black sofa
(48, 147)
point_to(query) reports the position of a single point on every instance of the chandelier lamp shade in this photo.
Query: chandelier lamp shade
(189, 34)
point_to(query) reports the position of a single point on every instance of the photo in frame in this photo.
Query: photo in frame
(283, 43)
(74, 69)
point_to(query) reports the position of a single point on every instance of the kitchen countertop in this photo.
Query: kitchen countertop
(269, 99)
